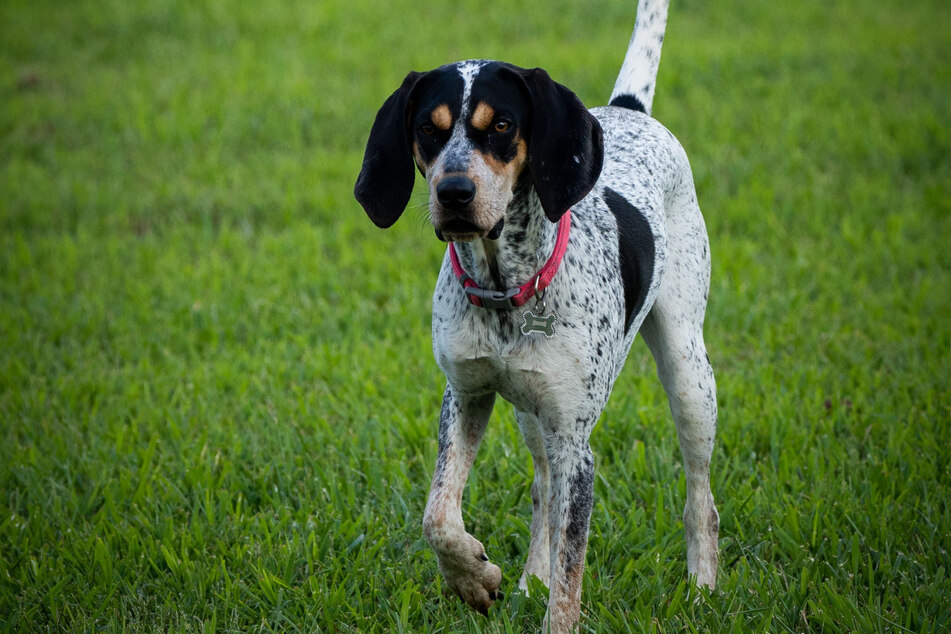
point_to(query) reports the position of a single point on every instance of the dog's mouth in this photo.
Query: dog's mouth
(462, 230)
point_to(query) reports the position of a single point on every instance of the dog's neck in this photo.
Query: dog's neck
(527, 240)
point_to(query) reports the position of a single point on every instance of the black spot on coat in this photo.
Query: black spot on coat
(636, 252)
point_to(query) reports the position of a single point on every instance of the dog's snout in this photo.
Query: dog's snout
(455, 192)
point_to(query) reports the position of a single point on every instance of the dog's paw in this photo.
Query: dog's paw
(470, 574)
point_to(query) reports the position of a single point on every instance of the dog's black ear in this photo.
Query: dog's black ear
(386, 178)
(565, 150)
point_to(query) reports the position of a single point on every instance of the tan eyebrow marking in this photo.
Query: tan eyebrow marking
(482, 116)
(442, 117)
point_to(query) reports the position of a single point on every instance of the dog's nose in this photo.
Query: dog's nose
(455, 192)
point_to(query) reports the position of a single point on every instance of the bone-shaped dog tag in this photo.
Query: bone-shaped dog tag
(536, 323)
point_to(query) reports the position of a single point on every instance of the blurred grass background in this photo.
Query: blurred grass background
(217, 397)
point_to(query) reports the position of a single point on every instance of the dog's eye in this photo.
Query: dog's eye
(502, 125)
(427, 128)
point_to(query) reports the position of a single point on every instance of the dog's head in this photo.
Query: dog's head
(475, 130)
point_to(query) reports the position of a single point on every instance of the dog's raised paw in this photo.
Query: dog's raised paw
(480, 588)
(472, 577)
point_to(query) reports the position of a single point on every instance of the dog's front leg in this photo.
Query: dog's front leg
(572, 496)
(462, 558)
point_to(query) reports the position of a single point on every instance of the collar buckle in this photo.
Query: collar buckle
(496, 300)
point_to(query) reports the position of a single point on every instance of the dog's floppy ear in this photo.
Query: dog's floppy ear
(566, 150)
(386, 178)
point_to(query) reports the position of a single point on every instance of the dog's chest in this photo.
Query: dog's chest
(528, 371)
(479, 347)
(483, 350)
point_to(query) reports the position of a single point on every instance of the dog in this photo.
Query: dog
(569, 230)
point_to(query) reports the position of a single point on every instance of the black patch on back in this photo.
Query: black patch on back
(635, 250)
(630, 102)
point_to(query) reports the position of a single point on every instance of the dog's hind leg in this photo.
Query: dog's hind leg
(462, 558)
(673, 330)
(538, 561)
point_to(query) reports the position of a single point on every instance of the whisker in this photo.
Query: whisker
(420, 209)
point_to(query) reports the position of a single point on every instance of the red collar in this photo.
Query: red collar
(514, 297)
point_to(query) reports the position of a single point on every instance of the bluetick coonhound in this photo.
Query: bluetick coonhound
(569, 231)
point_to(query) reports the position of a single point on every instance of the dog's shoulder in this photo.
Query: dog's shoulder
(634, 138)
(643, 163)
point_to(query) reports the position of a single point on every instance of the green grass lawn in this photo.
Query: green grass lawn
(218, 405)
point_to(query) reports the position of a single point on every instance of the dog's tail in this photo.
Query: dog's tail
(635, 83)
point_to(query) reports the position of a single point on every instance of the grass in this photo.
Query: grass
(217, 396)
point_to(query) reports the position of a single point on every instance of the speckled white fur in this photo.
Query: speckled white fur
(559, 385)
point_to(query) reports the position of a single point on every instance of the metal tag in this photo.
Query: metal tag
(537, 323)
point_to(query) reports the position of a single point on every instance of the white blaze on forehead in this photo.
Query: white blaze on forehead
(468, 70)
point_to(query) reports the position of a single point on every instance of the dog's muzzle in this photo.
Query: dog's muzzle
(455, 195)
